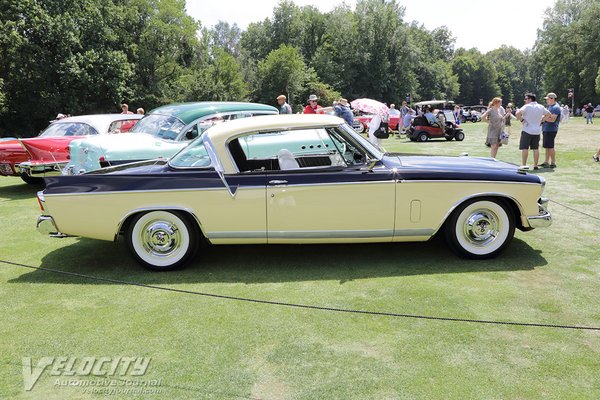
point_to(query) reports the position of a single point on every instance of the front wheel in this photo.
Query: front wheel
(459, 136)
(480, 229)
(422, 137)
(162, 240)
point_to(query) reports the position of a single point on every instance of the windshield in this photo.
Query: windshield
(363, 142)
(69, 129)
(160, 126)
(192, 156)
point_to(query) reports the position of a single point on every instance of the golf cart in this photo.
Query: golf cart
(421, 130)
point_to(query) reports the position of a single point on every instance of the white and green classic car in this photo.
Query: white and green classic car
(161, 133)
(293, 179)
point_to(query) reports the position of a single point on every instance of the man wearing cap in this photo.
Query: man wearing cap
(531, 115)
(313, 107)
(284, 107)
(549, 130)
(342, 110)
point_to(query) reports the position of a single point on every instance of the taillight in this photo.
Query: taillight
(41, 200)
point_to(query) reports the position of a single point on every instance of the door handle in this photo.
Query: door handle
(277, 182)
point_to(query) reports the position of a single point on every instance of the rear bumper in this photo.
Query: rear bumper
(544, 218)
(40, 170)
(46, 226)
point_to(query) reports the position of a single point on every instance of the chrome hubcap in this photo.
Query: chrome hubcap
(161, 238)
(481, 227)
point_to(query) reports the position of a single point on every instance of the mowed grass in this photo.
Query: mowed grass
(209, 348)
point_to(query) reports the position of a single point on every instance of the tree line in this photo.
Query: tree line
(86, 56)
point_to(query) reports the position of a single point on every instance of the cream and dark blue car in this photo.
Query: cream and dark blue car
(293, 179)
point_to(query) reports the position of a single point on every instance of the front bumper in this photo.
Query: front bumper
(544, 218)
(46, 226)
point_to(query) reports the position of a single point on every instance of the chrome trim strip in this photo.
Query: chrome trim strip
(337, 183)
(331, 234)
(413, 232)
(237, 235)
(146, 191)
(466, 181)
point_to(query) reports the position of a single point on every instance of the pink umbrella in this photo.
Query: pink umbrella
(370, 106)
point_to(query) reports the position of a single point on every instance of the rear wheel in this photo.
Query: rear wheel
(162, 240)
(32, 180)
(480, 228)
(459, 136)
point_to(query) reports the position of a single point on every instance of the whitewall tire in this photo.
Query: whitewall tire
(162, 240)
(480, 228)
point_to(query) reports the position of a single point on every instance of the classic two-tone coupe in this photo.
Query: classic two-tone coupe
(161, 133)
(293, 179)
(48, 153)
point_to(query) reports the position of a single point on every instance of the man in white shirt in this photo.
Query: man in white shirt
(531, 115)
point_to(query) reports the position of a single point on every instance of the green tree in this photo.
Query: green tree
(282, 72)
(477, 77)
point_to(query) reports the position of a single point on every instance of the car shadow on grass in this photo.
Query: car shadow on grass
(278, 263)
(19, 191)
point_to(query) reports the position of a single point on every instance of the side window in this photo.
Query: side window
(296, 149)
(121, 126)
(192, 133)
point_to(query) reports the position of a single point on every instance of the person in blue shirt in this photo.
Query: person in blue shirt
(549, 130)
(430, 117)
(342, 110)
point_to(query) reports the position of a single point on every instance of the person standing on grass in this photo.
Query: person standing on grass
(589, 118)
(284, 107)
(531, 115)
(549, 131)
(313, 107)
(495, 119)
(564, 117)
(508, 117)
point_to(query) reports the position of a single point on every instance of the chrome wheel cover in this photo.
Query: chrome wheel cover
(482, 227)
(160, 238)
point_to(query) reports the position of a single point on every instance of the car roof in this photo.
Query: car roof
(100, 122)
(220, 133)
(189, 112)
(431, 102)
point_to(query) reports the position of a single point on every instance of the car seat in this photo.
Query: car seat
(286, 160)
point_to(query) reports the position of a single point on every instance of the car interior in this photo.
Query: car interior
(294, 150)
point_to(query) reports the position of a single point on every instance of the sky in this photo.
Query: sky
(474, 23)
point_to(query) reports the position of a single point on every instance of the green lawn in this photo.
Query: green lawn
(219, 349)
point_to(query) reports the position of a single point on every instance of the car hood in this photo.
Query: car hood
(419, 167)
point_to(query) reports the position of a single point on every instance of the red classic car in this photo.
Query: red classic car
(361, 122)
(48, 153)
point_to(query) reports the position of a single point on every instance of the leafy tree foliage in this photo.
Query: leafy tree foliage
(84, 56)
(568, 48)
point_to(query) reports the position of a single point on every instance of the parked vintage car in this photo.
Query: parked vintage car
(161, 133)
(48, 153)
(293, 179)
(421, 130)
(361, 122)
